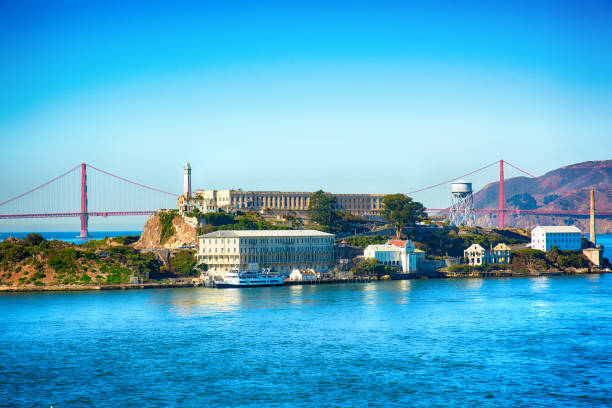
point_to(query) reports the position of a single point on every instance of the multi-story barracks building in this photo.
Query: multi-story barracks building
(280, 250)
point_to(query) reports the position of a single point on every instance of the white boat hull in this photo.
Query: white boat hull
(248, 280)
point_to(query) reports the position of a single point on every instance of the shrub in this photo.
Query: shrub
(572, 261)
(90, 255)
(15, 253)
(127, 239)
(372, 267)
(183, 263)
(466, 268)
(92, 243)
(219, 218)
(118, 275)
(38, 275)
(33, 239)
(167, 229)
(195, 213)
(248, 221)
(364, 241)
(64, 260)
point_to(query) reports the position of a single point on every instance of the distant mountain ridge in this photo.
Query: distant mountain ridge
(552, 192)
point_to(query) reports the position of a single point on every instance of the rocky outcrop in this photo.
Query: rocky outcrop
(184, 233)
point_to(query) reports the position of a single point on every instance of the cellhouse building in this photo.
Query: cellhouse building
(280, 250)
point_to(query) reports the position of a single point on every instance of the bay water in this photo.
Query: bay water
(517, 342)
(71, 236)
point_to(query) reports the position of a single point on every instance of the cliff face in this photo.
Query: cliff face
(551, 193)
(185, 233)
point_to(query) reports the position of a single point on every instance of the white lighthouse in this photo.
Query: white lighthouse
(187, 181)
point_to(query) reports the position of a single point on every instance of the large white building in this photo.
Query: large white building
(546, 237)
(396, 253)
(475, 254)
(280, 250)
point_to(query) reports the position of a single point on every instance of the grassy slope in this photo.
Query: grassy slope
(106, 261)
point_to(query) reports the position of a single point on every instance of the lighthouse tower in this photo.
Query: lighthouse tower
(187, 181)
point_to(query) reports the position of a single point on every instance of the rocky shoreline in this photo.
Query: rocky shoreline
(439, 275)
(80, 288)
(534, 274)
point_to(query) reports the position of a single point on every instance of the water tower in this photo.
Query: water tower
(462, 206)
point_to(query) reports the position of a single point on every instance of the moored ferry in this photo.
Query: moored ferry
(238, 279)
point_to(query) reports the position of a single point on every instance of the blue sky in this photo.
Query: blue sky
(343, 96)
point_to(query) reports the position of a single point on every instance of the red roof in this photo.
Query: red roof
(398, 243)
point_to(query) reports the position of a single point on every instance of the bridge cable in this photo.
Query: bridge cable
(453, 179)
(41, 186)
(552, 185)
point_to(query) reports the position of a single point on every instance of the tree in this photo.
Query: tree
(219, 218)
(321, 210)
(183, 263)
(33, 239)
(366, 267)
(401, 211)
(246, 223)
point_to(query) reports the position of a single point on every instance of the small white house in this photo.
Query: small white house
(303, 275)
(476, 255)
(546, 237)
(395, 253)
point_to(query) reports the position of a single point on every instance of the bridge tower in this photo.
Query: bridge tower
(592, 236)
(84, 214)
(462, 205)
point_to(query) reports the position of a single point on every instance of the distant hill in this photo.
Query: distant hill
(550, 192)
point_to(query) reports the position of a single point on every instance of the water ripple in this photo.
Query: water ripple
(432, 343)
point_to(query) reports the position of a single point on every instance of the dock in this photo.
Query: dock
(365, 279)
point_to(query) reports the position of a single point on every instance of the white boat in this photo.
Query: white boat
(238, 279)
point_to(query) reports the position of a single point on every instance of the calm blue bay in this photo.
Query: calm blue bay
(519, 342)
(71, 236)
(606, 241)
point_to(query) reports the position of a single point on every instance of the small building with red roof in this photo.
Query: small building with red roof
(395, 252)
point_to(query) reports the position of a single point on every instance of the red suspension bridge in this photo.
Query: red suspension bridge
(98, 193)
(112, 196)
